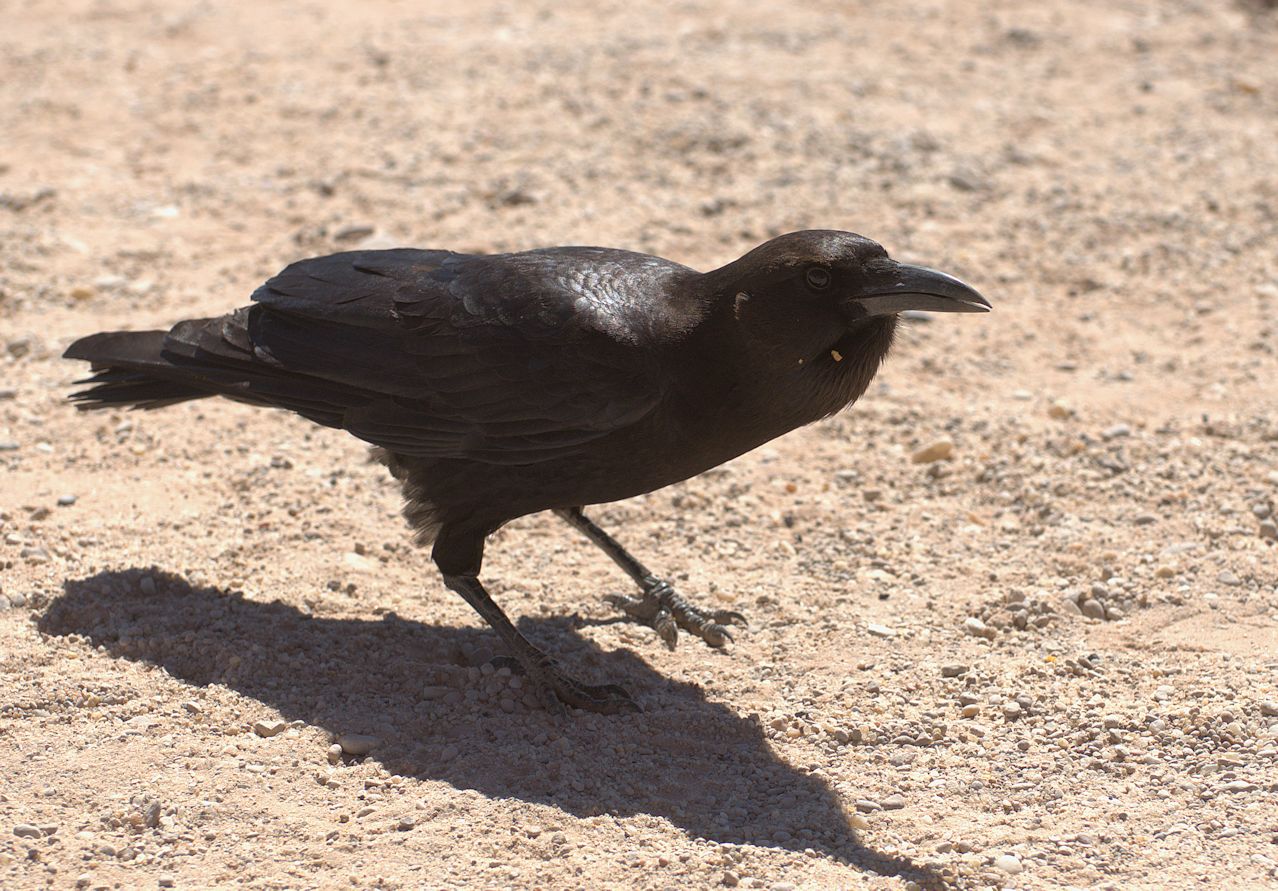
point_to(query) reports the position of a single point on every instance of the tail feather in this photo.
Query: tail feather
(129, 370)
(198, 358)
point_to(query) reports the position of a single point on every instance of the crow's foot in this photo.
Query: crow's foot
(664, 609)
(558, 691)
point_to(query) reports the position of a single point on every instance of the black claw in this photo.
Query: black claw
(666, 627)
(730, 616)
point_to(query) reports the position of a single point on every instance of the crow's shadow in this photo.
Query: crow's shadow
(687, 759)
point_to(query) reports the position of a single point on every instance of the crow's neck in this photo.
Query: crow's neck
(751, 400)
(836, 376)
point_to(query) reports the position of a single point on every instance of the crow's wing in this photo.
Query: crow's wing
(507, 359)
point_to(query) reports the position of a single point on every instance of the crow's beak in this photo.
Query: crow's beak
(890, 287)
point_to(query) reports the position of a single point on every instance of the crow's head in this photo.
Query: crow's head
(845, 274)
(801, 295)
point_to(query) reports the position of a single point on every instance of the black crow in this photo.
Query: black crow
(500, 385)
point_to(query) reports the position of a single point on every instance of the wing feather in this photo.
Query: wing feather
(437, 354)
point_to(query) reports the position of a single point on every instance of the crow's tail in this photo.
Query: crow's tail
(130, 369)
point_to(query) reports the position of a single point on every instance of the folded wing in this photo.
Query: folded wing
(430, 353)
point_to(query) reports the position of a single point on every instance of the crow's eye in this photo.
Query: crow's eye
(818, 278)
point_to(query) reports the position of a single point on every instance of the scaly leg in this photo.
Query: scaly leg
(660, 606)
(458, 553)
(555, 688)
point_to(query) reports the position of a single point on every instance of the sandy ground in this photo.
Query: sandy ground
(1048, 660)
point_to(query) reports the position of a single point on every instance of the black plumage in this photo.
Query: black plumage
(499, 385)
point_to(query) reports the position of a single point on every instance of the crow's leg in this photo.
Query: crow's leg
(660, 606)
(458, 555)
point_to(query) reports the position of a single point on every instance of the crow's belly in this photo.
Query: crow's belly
(462, 491)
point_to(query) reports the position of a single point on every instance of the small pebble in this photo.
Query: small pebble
(866, 806)
(1269, 708)
(937, 451)
(729, 879)
(1093, 609)
(893, 802)
(953, 670)
(1008, 863)
(269, 728)
(1269, 530)
(1060, 410)
(357, 743)
(880, 630)
(26, 830)
(20, 347)
(66, 500)
(977, 628)
(1240, 786)
(1118, 431)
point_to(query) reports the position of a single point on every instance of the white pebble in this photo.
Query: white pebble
(1008, 863)
(976, 627)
